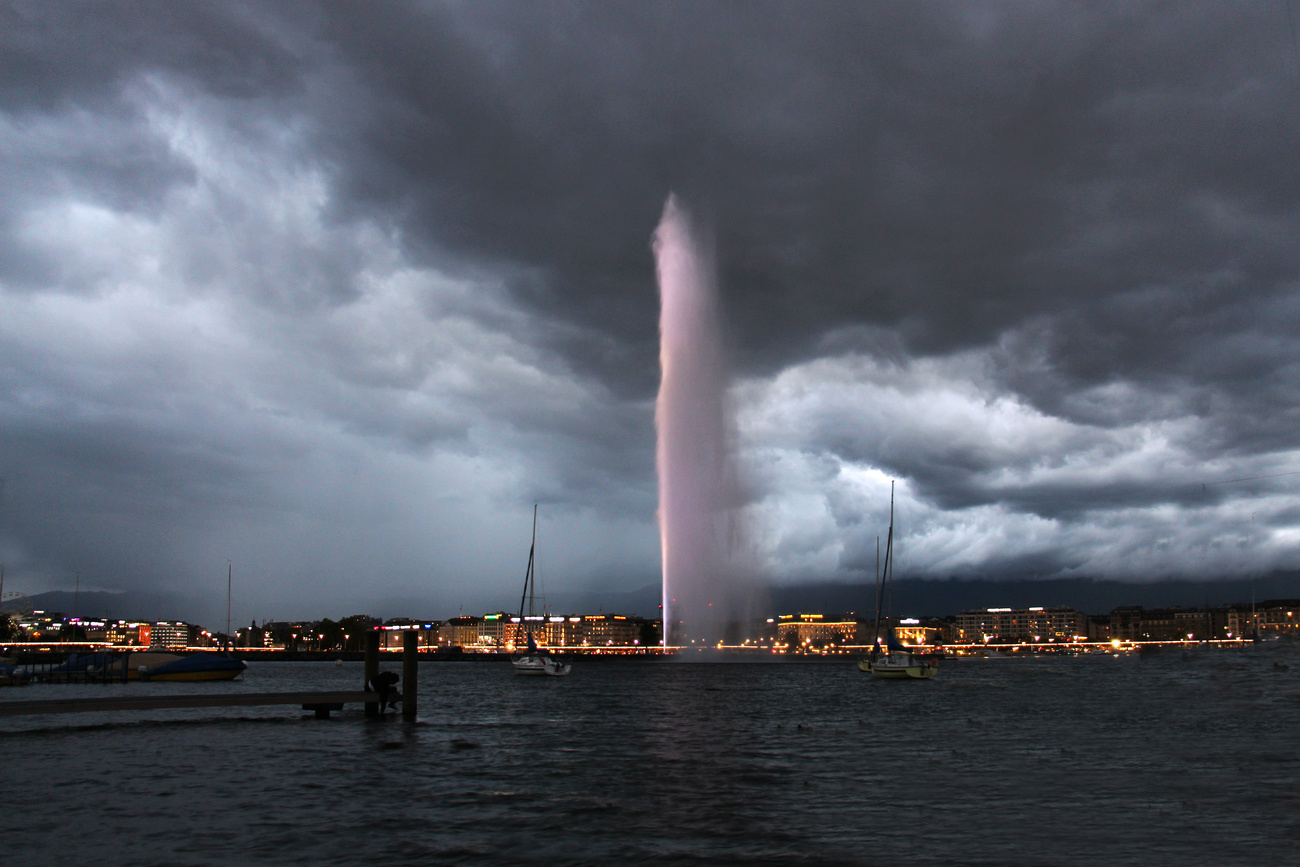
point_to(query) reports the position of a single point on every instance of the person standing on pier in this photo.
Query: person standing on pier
(383, 684)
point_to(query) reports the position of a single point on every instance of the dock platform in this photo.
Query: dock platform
(321, 702)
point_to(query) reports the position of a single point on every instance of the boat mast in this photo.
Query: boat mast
(882, 578)
(875, 623)
(888, 570)
(1254, 622)
(889, 557)
(528, 578)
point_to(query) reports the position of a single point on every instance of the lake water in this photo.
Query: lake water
(1174, 758)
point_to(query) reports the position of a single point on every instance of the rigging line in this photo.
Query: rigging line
(1295, 44)
(539, 575)
(1250, 479)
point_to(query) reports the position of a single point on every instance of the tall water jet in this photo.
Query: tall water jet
(705, 585)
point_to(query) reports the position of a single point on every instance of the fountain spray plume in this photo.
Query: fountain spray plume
(706, 584)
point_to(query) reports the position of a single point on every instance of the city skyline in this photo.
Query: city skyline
(332, 294)
(911, 599)
(1058, 627)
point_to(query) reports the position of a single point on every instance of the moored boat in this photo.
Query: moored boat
(11, 674)
(537, 663)
(188, 667)
(897, 662)
(534, 662)
(150, 665)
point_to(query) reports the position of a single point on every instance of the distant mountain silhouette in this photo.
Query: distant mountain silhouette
(104, 604)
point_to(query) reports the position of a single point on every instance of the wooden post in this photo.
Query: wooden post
(372, 667)
(410, 671)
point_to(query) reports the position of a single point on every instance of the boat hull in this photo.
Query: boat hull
(893, 668)
(173, 667)
(148, 665)
(192, 676)
(911, 672)
(540, 666)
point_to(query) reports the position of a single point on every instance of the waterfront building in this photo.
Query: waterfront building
(252, 636)
(1012, 625)
(1134, 623)
(909, 630)
(565, 630)
(605, 630)
(496, 630)
(1269, 618)
(548, 630)
(814, 630)
(173, 633)
(259, 637)
(460, 632)
(913, 631)
(393, 633)
(1279, 617)
(573, 630)
(90, 630)
(125, 633)
(287, 634)
(1099, 627)
(41, 625)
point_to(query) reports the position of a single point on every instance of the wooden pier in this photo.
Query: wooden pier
(321, 702)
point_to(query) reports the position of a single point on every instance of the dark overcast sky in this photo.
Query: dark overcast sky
(336, 291)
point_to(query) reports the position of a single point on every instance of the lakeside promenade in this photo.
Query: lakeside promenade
(45, 651)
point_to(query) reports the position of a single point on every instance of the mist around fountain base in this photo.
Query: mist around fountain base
(699, 647)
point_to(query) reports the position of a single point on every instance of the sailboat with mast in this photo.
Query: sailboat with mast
(897, 662)
(534, 661)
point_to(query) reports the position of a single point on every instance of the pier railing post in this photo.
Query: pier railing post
(410, 671)
(372, 668)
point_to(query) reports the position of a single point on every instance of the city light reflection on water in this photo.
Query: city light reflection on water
(1182, 758)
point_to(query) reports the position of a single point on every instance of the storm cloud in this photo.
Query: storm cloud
(336, 291)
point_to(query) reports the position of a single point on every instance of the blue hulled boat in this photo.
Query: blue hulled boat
(151, 665)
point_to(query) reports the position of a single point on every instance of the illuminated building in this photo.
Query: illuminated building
(1269, 618)
(460, 632)
(1279, 618)
(172, 633)
(1134, 623)
(392, 633)
(912, 631)
(124, 632)
(91, 630)
(286, 634)
(1003, 625)
(495, 630)
(814, 630)
(547, 630)
(603, 630)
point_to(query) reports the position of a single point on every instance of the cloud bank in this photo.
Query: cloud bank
(335, 292)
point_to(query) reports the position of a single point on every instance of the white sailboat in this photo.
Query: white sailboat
(534, 662)
(897, 662)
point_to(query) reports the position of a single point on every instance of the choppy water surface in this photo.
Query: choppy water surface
(1169, 759)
